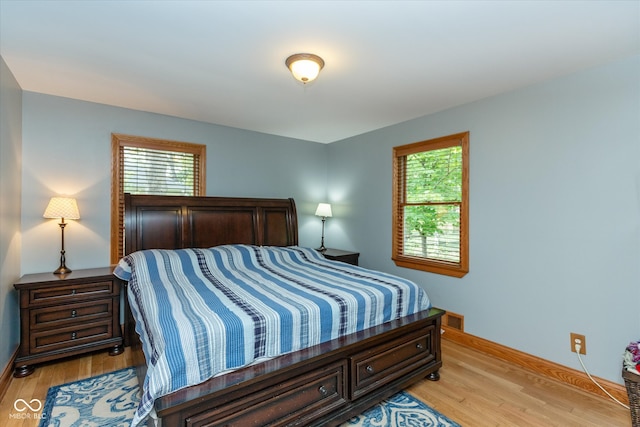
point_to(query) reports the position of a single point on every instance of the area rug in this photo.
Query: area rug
(110, 400)
(105, 400)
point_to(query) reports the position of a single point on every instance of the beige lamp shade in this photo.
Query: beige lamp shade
(62, 207)
(324, 209)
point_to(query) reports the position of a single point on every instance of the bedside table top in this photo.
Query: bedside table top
(338, 252)
(88, 273)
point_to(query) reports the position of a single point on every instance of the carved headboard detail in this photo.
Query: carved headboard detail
(175, 222)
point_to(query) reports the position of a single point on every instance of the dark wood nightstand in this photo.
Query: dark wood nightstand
(339, 255)
(65, 315)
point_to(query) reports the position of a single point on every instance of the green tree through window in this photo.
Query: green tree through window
(430, 203)
(434, 195)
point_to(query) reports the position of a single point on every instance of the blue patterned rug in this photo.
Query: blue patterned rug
(110, 400)
(106, 400)
(400, 410)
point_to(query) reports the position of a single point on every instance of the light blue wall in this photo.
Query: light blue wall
(10, 186)
(555, 210)
(67, 150)
(554, 213)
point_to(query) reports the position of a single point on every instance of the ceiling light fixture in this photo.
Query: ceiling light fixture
(305, 67)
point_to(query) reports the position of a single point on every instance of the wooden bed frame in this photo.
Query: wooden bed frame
(323, 385)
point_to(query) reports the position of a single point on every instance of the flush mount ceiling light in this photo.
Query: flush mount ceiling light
(305, 67)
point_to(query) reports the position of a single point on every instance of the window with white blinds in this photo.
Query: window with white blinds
(430, 199)
(151, 166)
(149, 171)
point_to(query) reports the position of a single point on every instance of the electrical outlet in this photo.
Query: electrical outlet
(578, 339)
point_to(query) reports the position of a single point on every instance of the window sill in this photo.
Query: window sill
(447, 269)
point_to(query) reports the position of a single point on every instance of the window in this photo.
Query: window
(151, 166)
(430, 203)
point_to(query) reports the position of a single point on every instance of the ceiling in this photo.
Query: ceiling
(386, 61)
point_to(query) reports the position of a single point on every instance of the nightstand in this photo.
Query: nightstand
(66, 315)
(339, 255)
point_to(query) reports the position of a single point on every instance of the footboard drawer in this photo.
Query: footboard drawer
(301, 399)
(382, 364)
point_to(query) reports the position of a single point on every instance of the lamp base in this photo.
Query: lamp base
(63, 260)
(62, 270)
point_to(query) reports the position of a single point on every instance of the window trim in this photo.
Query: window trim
(118, 141)
(434, 266)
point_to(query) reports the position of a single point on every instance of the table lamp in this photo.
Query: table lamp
(323, 210)
(62, 207)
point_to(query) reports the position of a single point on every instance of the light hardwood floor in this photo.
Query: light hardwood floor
(36, 385)
(478, 390)
(474, 390)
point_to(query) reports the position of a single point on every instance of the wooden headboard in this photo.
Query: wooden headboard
(175, 222)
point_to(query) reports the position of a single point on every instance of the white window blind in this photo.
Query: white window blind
(149, 171)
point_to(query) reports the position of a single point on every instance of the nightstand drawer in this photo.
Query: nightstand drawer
(76, 314)
(71, 336)
(67, 293)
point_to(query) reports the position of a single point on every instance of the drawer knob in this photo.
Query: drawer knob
(323, 390)
(73, 291)
(73, 335)
(419, 346)
(370, 369)
(74, 313)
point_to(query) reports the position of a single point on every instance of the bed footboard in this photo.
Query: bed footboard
(324, 385)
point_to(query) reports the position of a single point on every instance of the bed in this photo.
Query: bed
(324, 380)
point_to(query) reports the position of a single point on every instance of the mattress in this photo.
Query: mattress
(204, 312)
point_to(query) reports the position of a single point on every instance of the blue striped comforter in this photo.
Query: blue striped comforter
(203, 312)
